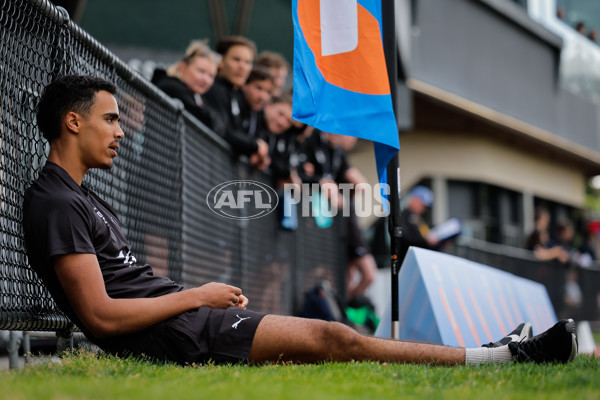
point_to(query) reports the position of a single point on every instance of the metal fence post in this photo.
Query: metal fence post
(26, 346)
(14, 342)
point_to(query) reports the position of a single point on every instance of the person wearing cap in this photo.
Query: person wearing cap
(414, 229)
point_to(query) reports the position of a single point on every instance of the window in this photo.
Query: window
(581, 15)
(488, 212)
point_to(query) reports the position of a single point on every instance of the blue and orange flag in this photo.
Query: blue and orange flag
(340, 76)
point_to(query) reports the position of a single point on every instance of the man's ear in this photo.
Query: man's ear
(72, 121)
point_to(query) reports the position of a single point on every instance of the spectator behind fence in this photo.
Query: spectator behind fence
(414, 229)
(324, 161)
(250, 138)
(277, 66)
(320, 161)
(541, 223)
(281, 137)
(189, 79)
(565, 232)
(540, 242)
(237, 56)
(582, 255)
(278, 114)
(75, 243)
(284, 154)
(258, 89)
(573, 299)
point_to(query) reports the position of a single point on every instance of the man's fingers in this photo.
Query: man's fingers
(243, 301)
(236, 290)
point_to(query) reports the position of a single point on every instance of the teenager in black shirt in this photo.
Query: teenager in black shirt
(74, 242)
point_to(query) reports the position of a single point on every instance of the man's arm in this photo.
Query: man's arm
(82, 281)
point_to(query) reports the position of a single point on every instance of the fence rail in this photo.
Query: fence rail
(167, 164)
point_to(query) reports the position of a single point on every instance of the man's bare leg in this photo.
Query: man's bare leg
(280, 338)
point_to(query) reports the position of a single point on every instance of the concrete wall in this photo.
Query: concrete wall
(446, 156)
(472, 158)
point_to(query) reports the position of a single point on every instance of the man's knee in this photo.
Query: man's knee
(337, 338)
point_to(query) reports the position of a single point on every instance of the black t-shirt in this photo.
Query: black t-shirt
(177, 89)
(235, 113)
(226, 100)
(282, 149)
(329, 162)
(60, 217)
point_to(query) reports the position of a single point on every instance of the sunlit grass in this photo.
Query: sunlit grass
(85, 375)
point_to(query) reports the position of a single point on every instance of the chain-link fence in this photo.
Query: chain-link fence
(573, 290)
(158, 185)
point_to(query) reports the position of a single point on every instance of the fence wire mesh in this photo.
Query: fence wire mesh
(158, 185)
(552, 274)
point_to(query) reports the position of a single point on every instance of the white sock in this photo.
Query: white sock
(486, 355)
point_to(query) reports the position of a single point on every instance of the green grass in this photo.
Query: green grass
(84, 375)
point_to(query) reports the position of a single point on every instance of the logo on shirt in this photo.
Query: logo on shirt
(99, 214)
(242, 199)
(127, 258)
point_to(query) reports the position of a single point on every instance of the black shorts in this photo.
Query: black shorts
(206, 335)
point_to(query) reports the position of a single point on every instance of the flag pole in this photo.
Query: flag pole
(390, 50)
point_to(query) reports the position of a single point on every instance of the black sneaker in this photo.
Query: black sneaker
(520, 333)
(557, 344)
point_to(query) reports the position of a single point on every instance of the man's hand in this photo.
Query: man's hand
(243, 303)
(80, 276)
(220, 295)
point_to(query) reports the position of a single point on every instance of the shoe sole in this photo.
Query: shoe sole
(571, 328)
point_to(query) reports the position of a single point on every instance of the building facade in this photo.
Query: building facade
(498, 113)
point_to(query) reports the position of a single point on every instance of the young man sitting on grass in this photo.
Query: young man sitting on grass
(76, 245)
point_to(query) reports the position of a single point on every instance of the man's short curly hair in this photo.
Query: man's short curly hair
(68, 93)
